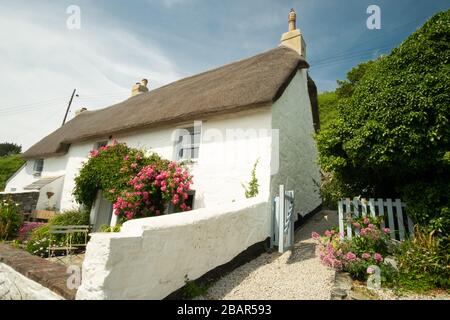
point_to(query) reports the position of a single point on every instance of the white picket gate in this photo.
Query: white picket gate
(395, 219)
(283, 220)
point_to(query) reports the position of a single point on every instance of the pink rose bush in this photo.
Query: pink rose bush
(151, 190)
(139, 184)
(367, 247)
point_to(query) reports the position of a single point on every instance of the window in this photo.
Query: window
(38, 166)
(188, 143)
(100, 144)
(189, 202)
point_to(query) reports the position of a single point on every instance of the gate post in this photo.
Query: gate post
(282, 219)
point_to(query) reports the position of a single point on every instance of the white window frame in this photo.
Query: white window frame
(179, 144)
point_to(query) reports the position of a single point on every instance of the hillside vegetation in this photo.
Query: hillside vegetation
(8, 166)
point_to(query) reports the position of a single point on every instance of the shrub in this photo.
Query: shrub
(392, 134)
(10, 219)
(423, 262)
(39, 240)
(71, 218)
(139, 185)
(27, 228)
(354, 256)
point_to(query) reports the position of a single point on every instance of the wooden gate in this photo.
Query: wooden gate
(283, 220)
(395, 219)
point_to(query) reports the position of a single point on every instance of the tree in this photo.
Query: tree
(392, 134)
(7, 149)
(346, 88)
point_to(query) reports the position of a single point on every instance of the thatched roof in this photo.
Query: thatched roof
(241, 85)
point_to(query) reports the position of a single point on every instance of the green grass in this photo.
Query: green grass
(327, 108)
(8, 166)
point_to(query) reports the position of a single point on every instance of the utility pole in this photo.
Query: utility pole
(68, 107)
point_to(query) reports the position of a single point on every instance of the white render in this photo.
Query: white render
(298, 169)
(150, 257)
(229, 148)
(15, 286)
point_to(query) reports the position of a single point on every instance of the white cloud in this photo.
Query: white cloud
(42, 60)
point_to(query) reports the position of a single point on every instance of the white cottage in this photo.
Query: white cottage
(262, 108)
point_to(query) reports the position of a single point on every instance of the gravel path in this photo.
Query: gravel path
(296, 274)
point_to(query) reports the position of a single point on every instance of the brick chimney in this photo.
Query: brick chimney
(294, 38)
(139, 87)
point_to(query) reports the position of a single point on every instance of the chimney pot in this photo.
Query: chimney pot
(78, 112)
(293, 38)
(139, 87)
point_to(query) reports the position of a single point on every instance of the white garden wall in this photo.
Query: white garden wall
(150, 257)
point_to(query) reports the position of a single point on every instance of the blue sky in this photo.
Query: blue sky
(120, 42)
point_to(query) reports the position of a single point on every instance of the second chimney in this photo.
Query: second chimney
(294, 38)
(139, 87)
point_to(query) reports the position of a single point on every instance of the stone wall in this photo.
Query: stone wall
(27, 200)
(27, 277)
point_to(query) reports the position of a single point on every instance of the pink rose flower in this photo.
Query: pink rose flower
(386, 230)
(370, 270)
(378, 257)
(350, 256)
(365, 255)
(315, 235)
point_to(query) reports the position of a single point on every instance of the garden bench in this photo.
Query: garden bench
(75, 238)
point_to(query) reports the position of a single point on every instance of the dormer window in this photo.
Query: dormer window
(38, 166)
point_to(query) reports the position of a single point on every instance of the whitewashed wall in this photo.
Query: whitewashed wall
(15, 286)
(22, 178)
(230, 146)
(150, 257)
(298, 169)
(44, 202)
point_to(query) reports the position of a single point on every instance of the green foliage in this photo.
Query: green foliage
(346, 88)
(192, 289)
(7, 149)
(10, 219)
(392, 134)
(423, 262)
(251, 190)
(109, 171)
(327, 108)
(107, 228)
(71, 218)
(8, 166)
(40, 238)
(39, 241)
